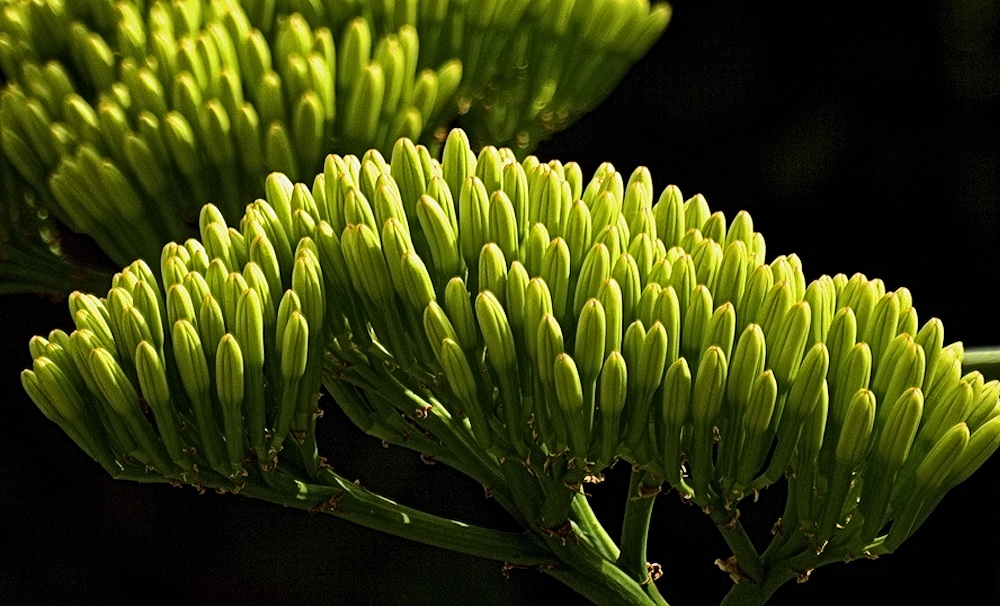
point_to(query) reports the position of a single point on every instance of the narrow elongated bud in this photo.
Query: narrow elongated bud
(808, 387)
(856, 429)
(849, 453)
(788, 342)
(757, 419)
(493, 271)
(675, 414)
(294, 347)
(892, 446)
(437, 327)
(747, 364)
(155, 390)
(118, 392)
(503, 224)
(192, 367)
(590, 338)
(613, 392)
(463, 385)
(930, 338)
(932, 472)
(473, 214)
(706, 404)
(984, 441)
(732, 274)
(408, 174)
(945, 413)
(364, 104)
(555, 271)
(366, 264)
(721, 329)
(496, 332)
(229, 381)
(569, 394)
(882, 327)
(51, 390)
(418, 288)
(441, 238)
(458, 161)
(648, 361)
(696, 319)
(458, 305)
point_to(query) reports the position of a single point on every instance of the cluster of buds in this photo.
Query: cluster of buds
(530, 328)
(117, 112)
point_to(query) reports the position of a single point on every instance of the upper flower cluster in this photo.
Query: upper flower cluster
(118, 113)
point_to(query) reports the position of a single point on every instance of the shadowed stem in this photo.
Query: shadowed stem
(984, 359)
(642, 492)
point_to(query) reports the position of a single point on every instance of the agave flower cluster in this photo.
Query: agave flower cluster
(528, 327)
(119, 112)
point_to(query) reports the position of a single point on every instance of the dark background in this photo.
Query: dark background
(863, 140)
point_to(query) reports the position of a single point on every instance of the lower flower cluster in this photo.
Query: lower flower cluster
(529, 327)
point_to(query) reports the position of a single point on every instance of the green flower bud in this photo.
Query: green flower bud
(492, 271)
(569, 395)
(473, 214)
(115, 388)
(757, 419)
(408, 174)
(366, 265)
(458, 305)
(590, 341)
(418, 289)
(747, 364)
(555, 270)
(595, 270)
(229, 383)
(788, 342)
(613, 386)
(496, 332)
(441, 238)
(731, 280)
(892, 446)
(463, 385)
(696, 320)
(648, 361)
(706, 405)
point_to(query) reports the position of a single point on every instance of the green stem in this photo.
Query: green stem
(754, 594)
(635, 531)
(527, 496)
(736, 537)
(347, 500)
(583, 515)
(591, 575)
(984, 359)
(27, 268)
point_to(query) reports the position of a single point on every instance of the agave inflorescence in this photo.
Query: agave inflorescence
(528, 327)
(118, 112)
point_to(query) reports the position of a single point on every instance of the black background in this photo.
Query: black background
(862, 140)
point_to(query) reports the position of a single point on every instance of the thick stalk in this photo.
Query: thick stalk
(346, 500)
(591, 575)
(583, 515)
(755, 594)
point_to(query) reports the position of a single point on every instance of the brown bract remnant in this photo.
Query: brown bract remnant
(731, 567)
